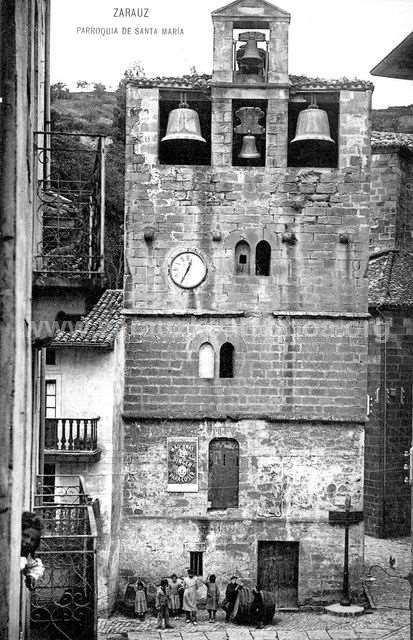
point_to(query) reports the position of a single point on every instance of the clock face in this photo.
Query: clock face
(188, 270)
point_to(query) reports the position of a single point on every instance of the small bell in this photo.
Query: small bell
(183, 124)
(312, 124)
(249, 149)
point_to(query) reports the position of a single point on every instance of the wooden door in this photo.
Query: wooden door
(278, 571)
(223, 473)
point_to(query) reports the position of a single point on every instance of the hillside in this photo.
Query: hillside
(398, 119)
(86, 111)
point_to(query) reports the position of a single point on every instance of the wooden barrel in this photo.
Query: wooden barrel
(243, 614)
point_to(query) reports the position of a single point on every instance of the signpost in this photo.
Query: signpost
(346, 518)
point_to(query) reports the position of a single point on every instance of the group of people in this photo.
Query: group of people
(175, 594)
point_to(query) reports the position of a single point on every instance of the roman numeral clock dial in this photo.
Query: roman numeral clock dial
(188, 269)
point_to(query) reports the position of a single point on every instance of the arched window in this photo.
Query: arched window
(226, 361)
(263, 258)
(242, 258)
(206, 363)
(223, 473)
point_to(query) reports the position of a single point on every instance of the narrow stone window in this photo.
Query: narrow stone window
(196, 562)
(223, 473)
(242, 258)
(206, 363)
(226, 361)
(263, 258)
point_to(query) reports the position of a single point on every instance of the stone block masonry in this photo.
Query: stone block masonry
(388, 431)
(284, 367)
(295, 404)
(288, 473)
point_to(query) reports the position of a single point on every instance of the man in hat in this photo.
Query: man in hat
(231, 596)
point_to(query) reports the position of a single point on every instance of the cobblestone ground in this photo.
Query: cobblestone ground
(389, 620)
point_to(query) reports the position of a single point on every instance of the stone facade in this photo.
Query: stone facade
(390, 380)
(291, 474)
(391, 196)
(388, 431)
(296, 401)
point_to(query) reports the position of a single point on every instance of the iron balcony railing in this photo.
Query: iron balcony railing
(69, 231)
(71, 434)
(64, 603)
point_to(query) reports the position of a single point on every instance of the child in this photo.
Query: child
(162, 604)
(32, 567)
(175, 586)
(190, 605)
(212, 602)
(141, 606)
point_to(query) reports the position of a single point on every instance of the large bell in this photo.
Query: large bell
(251, 55)
(312, 124)
(183, 124)
(249, 148)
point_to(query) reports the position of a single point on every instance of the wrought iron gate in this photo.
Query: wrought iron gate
(63, 606)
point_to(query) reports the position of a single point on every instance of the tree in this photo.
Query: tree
(134, 70)
(82, 84)
(99, 88)
(59, 91)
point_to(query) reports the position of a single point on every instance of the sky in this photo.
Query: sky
(328, 39)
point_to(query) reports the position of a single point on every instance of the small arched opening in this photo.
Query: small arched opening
(206, 362)
(226, 360)
(263, 258)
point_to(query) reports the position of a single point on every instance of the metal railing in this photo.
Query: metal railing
(64, 603)
(71, 204)
(71, 434)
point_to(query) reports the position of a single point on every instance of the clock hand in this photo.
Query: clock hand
(187, 269)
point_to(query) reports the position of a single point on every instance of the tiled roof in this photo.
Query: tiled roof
(99, 328)
(203, 81)
(312, 84)
(195, 81)
(390, 279)
(390, 140)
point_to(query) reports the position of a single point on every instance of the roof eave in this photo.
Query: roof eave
(392, 65)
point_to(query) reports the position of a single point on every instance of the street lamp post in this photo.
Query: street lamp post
(346, 518)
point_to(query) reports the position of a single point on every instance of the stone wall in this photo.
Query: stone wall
(391, 197)
(406, 199)
(290, 476)
(284, 367)
(296, 402)
(185, 206)
(385, 194)
(388, 430)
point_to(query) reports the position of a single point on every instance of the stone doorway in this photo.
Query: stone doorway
(278, 571)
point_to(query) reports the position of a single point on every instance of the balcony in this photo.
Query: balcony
(69, 229)
(71, 440)
(64, 603)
